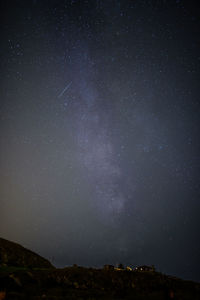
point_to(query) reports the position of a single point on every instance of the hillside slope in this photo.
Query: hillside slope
(13, 254)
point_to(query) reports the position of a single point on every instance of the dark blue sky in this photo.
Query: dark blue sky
(99, 132)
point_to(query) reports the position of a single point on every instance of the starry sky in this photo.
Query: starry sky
(99, 131)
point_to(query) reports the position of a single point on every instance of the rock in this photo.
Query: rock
(16, 280)
(76, 285)
(2, 295)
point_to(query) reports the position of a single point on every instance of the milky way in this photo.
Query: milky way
(94, 142)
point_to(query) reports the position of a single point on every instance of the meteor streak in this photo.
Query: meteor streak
(65, 89)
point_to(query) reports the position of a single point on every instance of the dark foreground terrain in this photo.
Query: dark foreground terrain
(30, 282)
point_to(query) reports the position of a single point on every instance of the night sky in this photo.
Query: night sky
(99, 131)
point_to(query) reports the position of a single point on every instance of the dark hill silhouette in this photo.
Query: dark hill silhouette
(13, 254)
(26, 275)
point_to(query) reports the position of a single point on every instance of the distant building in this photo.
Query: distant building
(120, 267)
(108, 267)
(145, 268)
